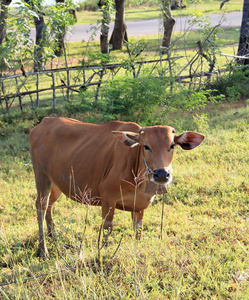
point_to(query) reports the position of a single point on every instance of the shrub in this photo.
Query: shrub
(188, 98)
(134, 100)
(232, 86)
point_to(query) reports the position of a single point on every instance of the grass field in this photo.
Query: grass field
(145, 13)
(203, 252)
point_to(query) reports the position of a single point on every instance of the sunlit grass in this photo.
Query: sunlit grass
(145, 13)
(203, 250)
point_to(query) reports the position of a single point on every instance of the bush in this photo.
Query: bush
(135, 99)
(233, 86)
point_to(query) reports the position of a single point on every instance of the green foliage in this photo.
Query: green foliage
(135, 99)
(91, 5)
(134, 48)
(201, 122)
(134, 3)
(233, 86)
(189, 98)
(16, 49)
(58, 22)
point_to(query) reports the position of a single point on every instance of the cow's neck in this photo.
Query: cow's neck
(153, 189)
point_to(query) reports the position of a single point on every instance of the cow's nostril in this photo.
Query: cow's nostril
(161, 175)
(155, 175)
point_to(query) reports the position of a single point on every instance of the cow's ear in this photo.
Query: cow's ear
(127, 138)
(189, 140)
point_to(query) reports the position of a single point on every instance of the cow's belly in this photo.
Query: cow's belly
(130, 204)
(78, 190)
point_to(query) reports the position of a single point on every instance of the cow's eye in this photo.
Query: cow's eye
(147, 148)
(172, 147)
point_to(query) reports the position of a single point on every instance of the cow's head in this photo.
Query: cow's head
(158, 143)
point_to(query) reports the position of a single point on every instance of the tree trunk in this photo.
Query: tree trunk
(168, 23)
(39, 37)
(243, 48)
(3, 17)
(61, 36)
(59, 39)
(177, 4)
(60, 42)
(104, 45)
(39, 42)
(119, 35)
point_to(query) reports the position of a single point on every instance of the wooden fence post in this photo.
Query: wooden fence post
(37, 88)
(19, 96)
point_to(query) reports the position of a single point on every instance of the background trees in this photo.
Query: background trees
(243, 49)
(3, 17)
(106, 7)
(57, 18)
(40, 32)
(168, 23)
(51, 24)
(65, 10)
(119, 35)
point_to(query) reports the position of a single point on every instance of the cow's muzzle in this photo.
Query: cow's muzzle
(161, 176)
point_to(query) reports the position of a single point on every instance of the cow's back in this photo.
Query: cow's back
(76, 154)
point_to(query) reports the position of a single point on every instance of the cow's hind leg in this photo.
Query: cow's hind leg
(107, 217)
(137, 218)
(43, 185)
(54, 195)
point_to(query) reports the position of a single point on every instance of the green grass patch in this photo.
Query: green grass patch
(154, 12)
(226, 37)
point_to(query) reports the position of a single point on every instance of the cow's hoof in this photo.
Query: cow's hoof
(43, 255)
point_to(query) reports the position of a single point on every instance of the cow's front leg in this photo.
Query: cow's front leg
(137, 218)
(107, 217)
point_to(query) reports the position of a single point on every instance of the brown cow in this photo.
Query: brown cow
(90, 165)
